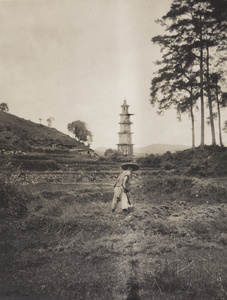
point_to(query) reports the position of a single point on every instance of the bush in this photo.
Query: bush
(101, 158)
(13, 201)
(114, 155)
(22, 145)
(208, 190)
(109, 152)
(167, 166)
(150, 160)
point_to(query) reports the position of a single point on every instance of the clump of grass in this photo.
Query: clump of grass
(12, 198)
(13, 201)
(200, 227)
(160, 227)
(208, 190)
(188, 275)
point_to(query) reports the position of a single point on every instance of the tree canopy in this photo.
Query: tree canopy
(194, 32)
(50, 121)
(79, 129)
(4, 107)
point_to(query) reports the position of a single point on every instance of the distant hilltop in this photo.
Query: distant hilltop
(23, 135)
(151, 149)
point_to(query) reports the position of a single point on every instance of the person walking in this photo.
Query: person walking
(122, 186)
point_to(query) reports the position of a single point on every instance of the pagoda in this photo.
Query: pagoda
(125, 145)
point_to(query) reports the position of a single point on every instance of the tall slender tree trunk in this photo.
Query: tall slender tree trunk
(219, 116)
(201, 90)
(193, 124)
(209, 98)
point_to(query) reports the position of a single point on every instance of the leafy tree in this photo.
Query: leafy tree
(176, 80)
(79, 129)
(109, 152)
(220, 11)
(114, 155)
(4, 107)
(50, 121)
(186, 20)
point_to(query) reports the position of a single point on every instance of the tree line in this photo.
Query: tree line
(192, 69)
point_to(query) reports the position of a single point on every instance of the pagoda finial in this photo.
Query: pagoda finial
(125, 101)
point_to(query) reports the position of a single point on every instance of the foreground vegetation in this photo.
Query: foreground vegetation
(60, 240)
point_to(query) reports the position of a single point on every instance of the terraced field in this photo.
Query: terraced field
(69, 245)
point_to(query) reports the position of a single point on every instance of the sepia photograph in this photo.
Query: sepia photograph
(113, 149)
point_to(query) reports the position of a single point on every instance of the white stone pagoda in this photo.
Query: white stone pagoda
(125, 145)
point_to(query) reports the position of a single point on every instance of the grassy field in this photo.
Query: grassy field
(65, 243)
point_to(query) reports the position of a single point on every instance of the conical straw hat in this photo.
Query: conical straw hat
(132, 165)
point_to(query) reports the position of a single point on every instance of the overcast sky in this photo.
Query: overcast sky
(79, 59)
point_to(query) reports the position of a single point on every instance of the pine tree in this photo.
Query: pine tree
(196, 28)
(176, 80)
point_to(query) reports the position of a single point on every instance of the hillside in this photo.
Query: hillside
(20, 134)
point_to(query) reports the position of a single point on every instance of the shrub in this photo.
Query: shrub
(22, 145)
(13, 201)
(167, 165)
(109, 152)
(201, 228)
(207, 190)
(150, 160)
(101, 158)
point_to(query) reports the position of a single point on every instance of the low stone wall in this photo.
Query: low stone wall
(64, 177)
